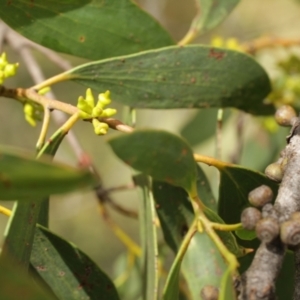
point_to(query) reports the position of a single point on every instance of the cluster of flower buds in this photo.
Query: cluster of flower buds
(90, 110)
(6, 69)
(33, 111)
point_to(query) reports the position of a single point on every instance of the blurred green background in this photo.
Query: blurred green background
(76, 216)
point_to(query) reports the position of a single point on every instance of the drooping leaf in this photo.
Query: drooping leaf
(23, 177)
(148, 239)
(69, 272)
(202, 126)
(194, 76)
(210, 13)
(160, 154)
(15, 283)
(92, 29)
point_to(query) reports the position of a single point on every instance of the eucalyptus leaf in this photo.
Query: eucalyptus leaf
(193, 76)
(69, 272)
(210, 13)
(148, 239)
(23, 177)
(92, 29)
(160, 154)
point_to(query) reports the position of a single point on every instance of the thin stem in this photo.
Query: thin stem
(44, 130)
(53, 80)
(266, 42)
(211, 161)
(188, 38)
(226, 227)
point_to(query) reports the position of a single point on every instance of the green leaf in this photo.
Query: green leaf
(19, 232)
(210, 13)
(180, 77)
(171, 290)
(15, 283)
(23, 177)
(21, 226)
(69, 272)
(160, 154)
(202, 264)
(235, 184)
(227, 290)
(247, 235)
(91, 29)
(202, 126)
(148, 239)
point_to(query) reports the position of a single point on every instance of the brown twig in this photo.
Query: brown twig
(268, 42)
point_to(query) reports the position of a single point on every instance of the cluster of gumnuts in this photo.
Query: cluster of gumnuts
(262, 216)
(266, 221)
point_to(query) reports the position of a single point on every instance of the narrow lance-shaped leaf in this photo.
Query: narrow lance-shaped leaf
(160, 154)
(22, 176)
(193, 76)
(148, 238)
(69, 272)
(92, 29)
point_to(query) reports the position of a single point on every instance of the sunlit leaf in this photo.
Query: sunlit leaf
(24, 177)
(91, 29)
(69, 272)
(160, 154)
(180, 77)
